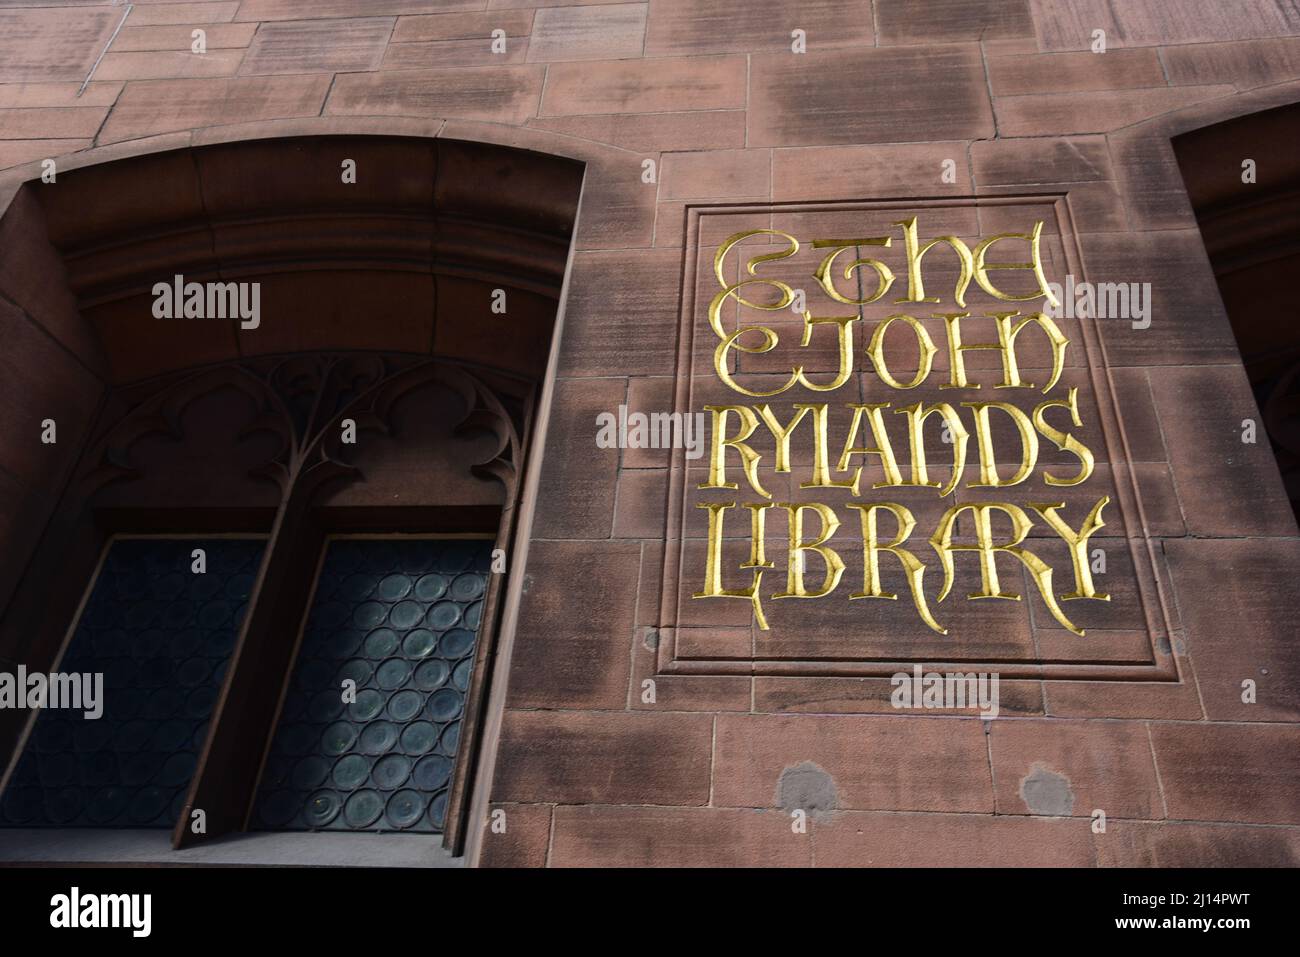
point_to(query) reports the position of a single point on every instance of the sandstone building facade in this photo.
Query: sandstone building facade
(450, 241)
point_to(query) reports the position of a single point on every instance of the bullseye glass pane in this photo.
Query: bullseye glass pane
(399, 619)
(160, 627)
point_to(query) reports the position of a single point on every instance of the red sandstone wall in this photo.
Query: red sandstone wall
(710, 91)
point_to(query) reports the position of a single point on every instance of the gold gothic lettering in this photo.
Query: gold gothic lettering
(986, 443)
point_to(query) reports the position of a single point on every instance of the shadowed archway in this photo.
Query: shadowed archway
(398, 279)
(1243, 181)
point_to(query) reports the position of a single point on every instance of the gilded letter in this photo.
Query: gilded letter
(915, 284)
(1039, 570)
(984, 441)
(713, 565)
(1006, 346)
(718, 455)
(795, 587)
(825, 272)
(926, 346)
(882, 447)
(1035, 265)
(1078, 544)
(871, 549)
(916, 416)
(1063, 440)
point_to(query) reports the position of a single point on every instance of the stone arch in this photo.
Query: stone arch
(398, 270)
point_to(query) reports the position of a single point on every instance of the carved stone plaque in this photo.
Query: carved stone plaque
(912, 449)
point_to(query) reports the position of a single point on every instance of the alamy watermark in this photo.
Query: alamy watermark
(653, 430)
(179, 299)
(76, 910)
(954, 690)
(1105, 300)
(78, 692)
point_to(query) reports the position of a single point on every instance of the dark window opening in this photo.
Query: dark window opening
(370, 727)
(1243, 180)
(338, 586)
(161, 637)
(382, 395)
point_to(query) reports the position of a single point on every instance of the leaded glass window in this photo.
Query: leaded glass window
(161, 635)
(372, 568)
(400, 619)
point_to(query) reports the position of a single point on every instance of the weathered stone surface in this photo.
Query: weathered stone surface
(681, 27)
(588, 33)
(158, 106)
(40, 43)
(1148, 22)
(888, 95)
(320, 46)
(646, 86)
(874, 763)
(979, 116)
(504, 94)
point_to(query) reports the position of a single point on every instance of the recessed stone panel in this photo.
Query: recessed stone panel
(1008, 535)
